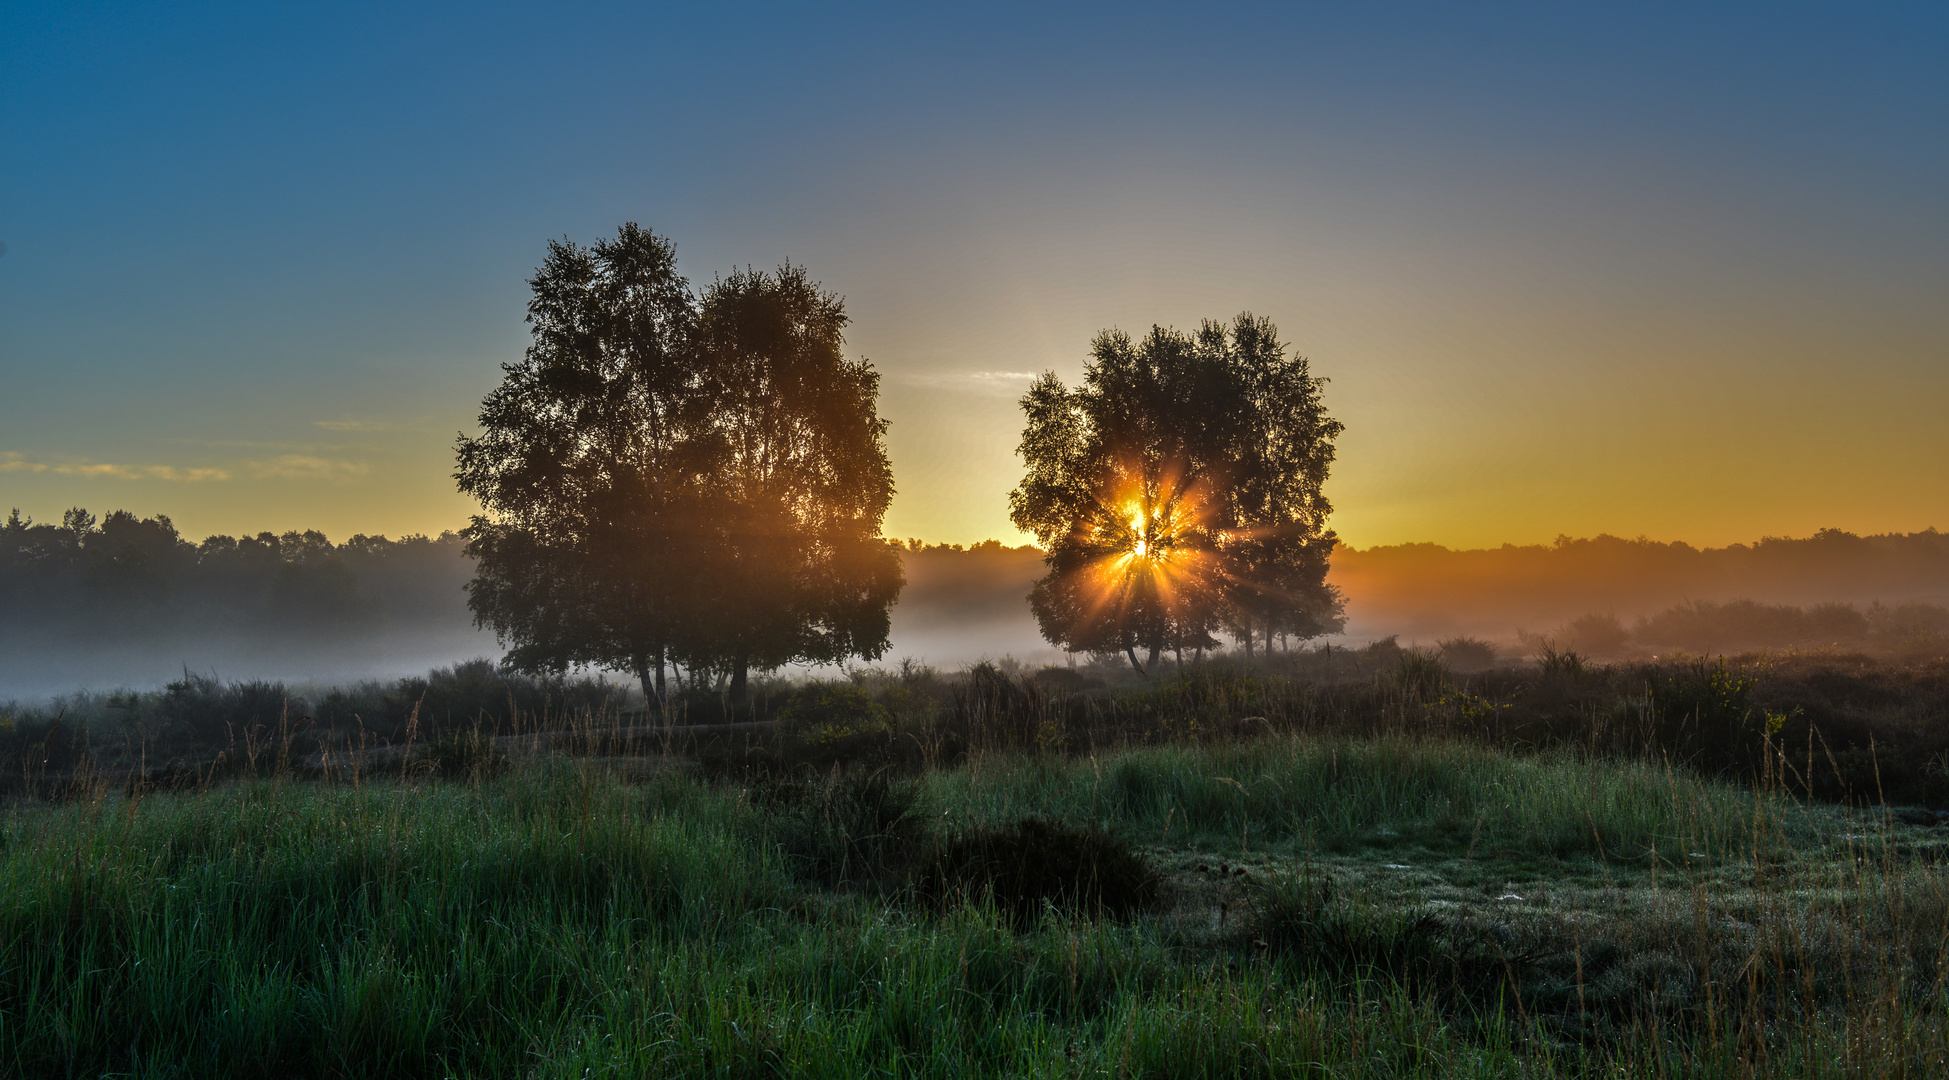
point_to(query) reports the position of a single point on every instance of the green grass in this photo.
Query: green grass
(576, 919)
(1346, 795)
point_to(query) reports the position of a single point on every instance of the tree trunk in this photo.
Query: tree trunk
(1131, 652)
(1248, 640)
(739, 683)
(1268, 639)
(1155, 648)
(652, 686)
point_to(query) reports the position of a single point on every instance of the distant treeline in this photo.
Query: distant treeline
(1426, 591)
(130, 599)
(1706, 626)
(130, 576)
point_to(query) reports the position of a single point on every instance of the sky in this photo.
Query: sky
(1669, 270)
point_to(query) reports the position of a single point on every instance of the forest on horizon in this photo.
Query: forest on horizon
(125, 600)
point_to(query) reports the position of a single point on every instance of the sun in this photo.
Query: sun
(1147, 540)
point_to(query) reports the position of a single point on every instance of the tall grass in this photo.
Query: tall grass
(1342, 794)
(563, 920)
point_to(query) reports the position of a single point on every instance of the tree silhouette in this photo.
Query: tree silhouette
(1282, 449)
(799, 480)
(586, 467)
(668, 479)
(1177, 492)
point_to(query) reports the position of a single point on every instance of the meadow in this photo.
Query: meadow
(1369, 864)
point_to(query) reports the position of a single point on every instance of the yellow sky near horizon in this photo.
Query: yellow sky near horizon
(1465, 456)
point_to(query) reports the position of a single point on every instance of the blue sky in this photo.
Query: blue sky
(1677, 270)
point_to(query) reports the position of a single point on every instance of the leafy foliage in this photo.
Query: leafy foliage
(668, 478)
(832, 710)
(1178, 493)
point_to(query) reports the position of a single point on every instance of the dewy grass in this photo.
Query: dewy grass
(375, 928)
(560, 921)
(1347, 794)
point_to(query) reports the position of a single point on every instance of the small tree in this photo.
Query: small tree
(1177, 491)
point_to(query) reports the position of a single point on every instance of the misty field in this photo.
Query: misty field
(1394, 871)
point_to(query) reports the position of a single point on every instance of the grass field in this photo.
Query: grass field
(1283, 905)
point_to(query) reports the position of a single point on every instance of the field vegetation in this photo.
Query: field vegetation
(1347, 863)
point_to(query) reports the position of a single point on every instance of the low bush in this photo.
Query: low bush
(828, 711)
(1467, 655)
(1030, 864)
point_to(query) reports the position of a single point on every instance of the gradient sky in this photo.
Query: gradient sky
(1672, 270)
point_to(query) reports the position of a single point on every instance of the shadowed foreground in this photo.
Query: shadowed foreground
(1280, 906)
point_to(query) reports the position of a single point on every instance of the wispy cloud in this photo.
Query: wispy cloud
(369, 424)
(993, 383)
(307, 467)
(140, 472)
(281, 467)
(13, 461)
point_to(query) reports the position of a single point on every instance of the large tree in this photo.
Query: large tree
(623, 526)
(586, 465)
(1177, 492)
(800, 479)
(1281, 449)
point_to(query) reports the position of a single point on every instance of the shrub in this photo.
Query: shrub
(203, 711)
(1598, 633)
(1564, 663)
(1421, 673)
(1704, 715)
(1467, 654)
(998, 711)
(829, 711)
(1032, 863)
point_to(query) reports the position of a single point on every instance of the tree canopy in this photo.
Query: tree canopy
(1177, 492)
(669, 478)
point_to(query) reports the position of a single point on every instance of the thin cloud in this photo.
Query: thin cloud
(14, 461)
(307, 467)
(367, 425)
(143, 472)
(282, 467)
(991, 383)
